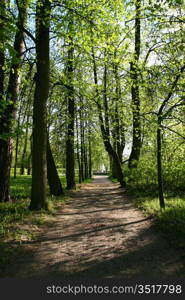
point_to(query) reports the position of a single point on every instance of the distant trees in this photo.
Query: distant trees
(104, 122)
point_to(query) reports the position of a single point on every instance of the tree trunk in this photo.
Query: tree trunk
(82, 144)
(105, 136)
(90, 152)
(86, 162)
(119, 126)
(114, 165)
(159, 166)
(78, 153)
(26, 103)
(136, 141)
(29, 165)
(8, 113)
(25, 148)
(16, 155)
(39, 162)
(52, 174)
(116, 160)
(4, 177)
(70, 156)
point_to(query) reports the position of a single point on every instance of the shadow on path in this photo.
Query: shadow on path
(99, 233)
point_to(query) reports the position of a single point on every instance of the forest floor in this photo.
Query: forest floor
(97, 233)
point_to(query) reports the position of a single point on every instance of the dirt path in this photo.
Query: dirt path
(98, 233)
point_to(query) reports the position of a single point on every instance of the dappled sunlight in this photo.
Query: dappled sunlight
(98, 234)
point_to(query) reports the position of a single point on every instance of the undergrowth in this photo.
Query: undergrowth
(171, 221)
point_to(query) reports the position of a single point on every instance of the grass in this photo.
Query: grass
(18, 223)
(169, 222)
(114, 180)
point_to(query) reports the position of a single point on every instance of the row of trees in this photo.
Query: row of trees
(107, 72)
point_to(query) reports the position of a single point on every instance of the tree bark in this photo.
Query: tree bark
(86, 161)
(52, 174)
(39, 162)
(136, 140)
(78, 153)
(119, 126)
(82, 142)
(4, 178)
(159, 166)
(70, 156)
(8, 113)
(90, 152)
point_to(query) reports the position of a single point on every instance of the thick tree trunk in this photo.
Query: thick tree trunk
(5, 167)
(4, 170)
(136, 140)
(39, 162)
(159, 166)
(70, 156)
(8, 113)
(52, 174)
(2, 55)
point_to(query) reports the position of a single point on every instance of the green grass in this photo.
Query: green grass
(89, 180)
(18, 212)
(21, 187)
(170, 222)
(114, 180)
(18, 223)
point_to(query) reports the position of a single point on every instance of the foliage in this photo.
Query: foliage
(171, 222)
(102, 34)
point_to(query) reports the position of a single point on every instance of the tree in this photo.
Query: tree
(70, 158)
(104, 126)
(161, 114)
(52, 174)
(136, 136)
(39, 148)
(8, 111)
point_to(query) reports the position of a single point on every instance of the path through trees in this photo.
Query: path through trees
(98, 233)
